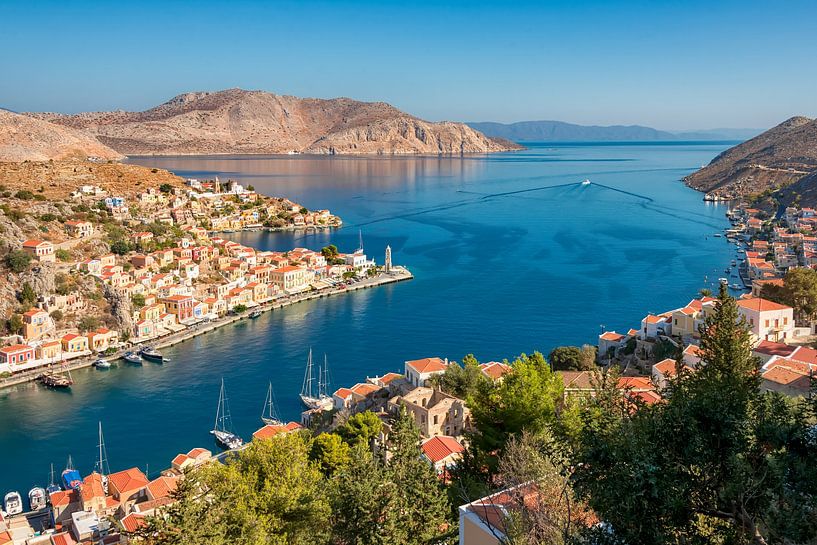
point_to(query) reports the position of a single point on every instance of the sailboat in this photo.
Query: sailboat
(52, 486)
(71, 479)
(102, 462)
(269, 415)
(309, 397)
(221, 429)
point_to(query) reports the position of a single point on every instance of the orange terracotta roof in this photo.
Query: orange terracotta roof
(63, 538)
(668, 367)
(268, 432)
(92, 487)
(427, 365)
(162, 487)
(758, 303)
(5, 538)
(364, 388)
(652, 319)
(61, 498)
(34, 312)
(693, 350)
(179, 460)
(611, 336)
(133, 522)
(495, 370)
(440, 447)
(33, 243)
(343, 393)
(128, 481)
(635, 383)
(804, 354)
(15, 348)
(198, 451)
(388, 377)
(787, 376)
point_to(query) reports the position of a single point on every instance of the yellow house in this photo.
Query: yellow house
(152, 312)
(683, 321)
(72, 343)
(49, 350)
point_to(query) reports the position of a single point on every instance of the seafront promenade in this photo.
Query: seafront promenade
(398, 274)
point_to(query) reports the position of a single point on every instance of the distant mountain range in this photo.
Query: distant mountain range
(239, 121)
(559, 131)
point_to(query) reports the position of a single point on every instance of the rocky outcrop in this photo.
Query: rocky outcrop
(120, 308)
(23, 138)
(773, 160)
(257, 122)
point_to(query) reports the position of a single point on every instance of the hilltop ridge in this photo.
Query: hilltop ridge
(776, 159)
(240, 121)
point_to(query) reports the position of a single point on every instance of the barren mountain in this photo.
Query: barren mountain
(775, 159)
(23, 138)
(238, 121)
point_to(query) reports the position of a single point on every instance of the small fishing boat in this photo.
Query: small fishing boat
(102, 363)
(586, 182)
(56, 380)
(717, 235)
(71, 479)
(269, 415)
(13, 503)
(36, 498)
(222, 429)
(150, 353)
(132, 357)
(255, 314)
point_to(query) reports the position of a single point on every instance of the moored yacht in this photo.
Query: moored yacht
(132, 357)
(222, 428)
(150, 353)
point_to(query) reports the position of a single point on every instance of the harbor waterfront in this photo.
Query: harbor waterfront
(511, 253)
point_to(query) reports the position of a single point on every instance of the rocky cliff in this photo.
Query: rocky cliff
(23, 138)
(238, 121)
(773, 160)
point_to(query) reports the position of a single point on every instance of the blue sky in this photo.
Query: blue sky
(670, 65)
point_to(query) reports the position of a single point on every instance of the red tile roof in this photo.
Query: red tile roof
(611, 336)
(92, 487)
(668, 367)
(63, 538)
(129, 480)
(440, 447)
(162, 487)
(427, 365)
(804, 354)
(758, 303)
(495, 370)
(784, 375)
(63, 498)
(268, 432)
(133, 522)
(770, 348)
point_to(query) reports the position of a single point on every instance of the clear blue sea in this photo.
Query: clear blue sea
(511, 254)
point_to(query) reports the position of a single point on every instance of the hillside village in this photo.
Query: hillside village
(99, 270)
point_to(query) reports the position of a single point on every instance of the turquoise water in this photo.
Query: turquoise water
(511, 254)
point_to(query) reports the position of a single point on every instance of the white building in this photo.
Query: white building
(768, 320)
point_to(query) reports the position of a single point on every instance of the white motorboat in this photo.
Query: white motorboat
(102, 363)
(586, 182)
(132, 357)
(36, 498)
(13, 503)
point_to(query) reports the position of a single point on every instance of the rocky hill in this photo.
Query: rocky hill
(559, 131)
(23, 138)
(238, 121)
(782, 156)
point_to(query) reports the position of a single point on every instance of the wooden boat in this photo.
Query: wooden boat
(56, 380)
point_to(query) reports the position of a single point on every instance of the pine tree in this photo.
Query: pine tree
(421, 505)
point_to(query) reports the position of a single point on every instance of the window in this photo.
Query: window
(435, 419)
(785, 321)
(767, 323)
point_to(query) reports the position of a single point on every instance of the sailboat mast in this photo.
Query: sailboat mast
(104, 468)
(306, 389)
(220, 403)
